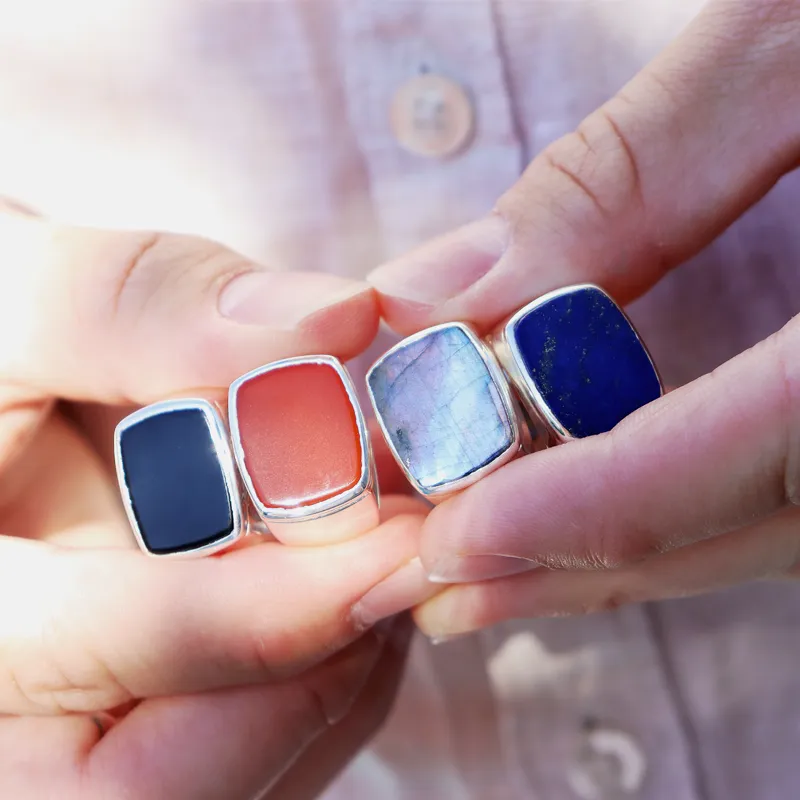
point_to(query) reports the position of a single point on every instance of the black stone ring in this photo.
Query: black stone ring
(178, 479)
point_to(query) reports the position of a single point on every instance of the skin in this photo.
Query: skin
(128, 676)
(650, 510)
(234, 692)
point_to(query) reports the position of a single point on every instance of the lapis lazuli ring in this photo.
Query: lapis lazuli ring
(178, 480)
(303, 450)
(445, 409)
(576, 362)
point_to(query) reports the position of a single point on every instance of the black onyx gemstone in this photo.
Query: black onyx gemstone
(585, 360)
(177, 488)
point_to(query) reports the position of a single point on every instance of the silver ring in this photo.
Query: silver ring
(177, 479)
(445, 409)
(576, 362)
(303, 450)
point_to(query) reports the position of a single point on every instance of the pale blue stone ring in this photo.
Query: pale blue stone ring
(445, 409)
(454, 408)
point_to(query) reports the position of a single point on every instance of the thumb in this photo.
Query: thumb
(643, 183)
(130, 317)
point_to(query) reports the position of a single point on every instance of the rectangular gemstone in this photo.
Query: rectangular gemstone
(440, 407)
(177, 488)
(298, 431)
(585, 360)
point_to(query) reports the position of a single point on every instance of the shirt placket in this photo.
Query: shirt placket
(417, 196)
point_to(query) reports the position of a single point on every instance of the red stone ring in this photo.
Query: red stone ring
(303, 451)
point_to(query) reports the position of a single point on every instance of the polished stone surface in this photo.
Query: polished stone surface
(176, 484)
(299, 434)
(440, 407)
(586, 361)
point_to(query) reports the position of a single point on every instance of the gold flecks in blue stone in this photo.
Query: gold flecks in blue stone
(585, 360)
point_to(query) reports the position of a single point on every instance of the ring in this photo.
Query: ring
(453, 408)
(178, 480)
(445, 409)
(302, 447)
(576, 362)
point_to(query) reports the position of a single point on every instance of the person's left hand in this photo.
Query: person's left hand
(137, 677)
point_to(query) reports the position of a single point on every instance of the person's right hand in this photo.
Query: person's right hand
(128, 676)
(699, 489)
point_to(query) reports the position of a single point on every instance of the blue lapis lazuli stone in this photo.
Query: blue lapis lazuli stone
(586, 361)
(176, 485)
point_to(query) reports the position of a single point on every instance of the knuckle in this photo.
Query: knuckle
(619, 547)
(150, 264)
(62, 674)
(590, 179)
(55, 687)
(599, 162)
(270, 652)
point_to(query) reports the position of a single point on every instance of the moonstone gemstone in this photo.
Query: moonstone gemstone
(440, 407)
(299, 433)
(586, 361)
(176, 485)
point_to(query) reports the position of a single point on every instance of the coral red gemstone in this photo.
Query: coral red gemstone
(299, 434)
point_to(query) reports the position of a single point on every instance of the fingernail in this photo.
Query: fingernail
(282, 300)
(468, 569)
(447, 266)
(403, 589)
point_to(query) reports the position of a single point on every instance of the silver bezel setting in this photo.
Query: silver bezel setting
(333, 505)
(222, 450)
(507, 349)
(503, 390)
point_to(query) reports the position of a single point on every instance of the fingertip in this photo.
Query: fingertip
(346, 327)
(404, 316)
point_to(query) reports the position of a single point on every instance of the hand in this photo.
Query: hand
(110, 657)
(699, 489)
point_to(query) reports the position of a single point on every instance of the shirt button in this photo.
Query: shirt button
(432, 116)
(609, 765)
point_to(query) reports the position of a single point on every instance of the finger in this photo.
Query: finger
(396, 504)
(134, 317)
(644, 182)
(81, 504)
(230, 744)
(326, 756)
(40, 756)
(767, 549)
(93, 629)
(717, 454)
(224, 744)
